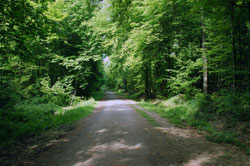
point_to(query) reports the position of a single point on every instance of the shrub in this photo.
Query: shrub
(204, 103)
(59, 93)
(24, 119)
(33, 112)
(234, 104)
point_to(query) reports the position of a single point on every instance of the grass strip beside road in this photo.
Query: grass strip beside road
(31, 129)
(145, 115)
(187, 113)
(33, 119)
(38, 123)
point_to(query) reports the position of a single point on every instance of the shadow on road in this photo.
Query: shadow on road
(115, 135)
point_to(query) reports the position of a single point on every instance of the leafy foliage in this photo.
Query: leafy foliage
(48, 49)
(50, 57)
(161, 48)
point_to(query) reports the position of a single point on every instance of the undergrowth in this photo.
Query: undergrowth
(98, 95)
(134, 96)
(199, 113)
(35, 116)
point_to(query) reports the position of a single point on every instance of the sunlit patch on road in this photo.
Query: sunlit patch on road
(101, 131)
(100, 151)
(199, 160)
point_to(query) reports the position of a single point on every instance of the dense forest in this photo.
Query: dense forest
(161, 48)
(52, 54)
(50, 57)
(164, 47)
(47, 48)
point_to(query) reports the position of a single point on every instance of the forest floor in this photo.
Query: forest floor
(116, 135)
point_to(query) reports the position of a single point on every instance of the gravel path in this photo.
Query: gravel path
(115, 135)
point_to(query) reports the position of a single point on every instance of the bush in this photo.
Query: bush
(25, 119)
(32, 112)
(75, 100)
(59, 93)
(236, 105)
(204, 103)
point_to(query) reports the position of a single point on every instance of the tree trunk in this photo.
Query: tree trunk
(240, 53)
(203, 45)
(147, 84)
(125, 85)
(76, 87)
(233, 45)
(74, 94)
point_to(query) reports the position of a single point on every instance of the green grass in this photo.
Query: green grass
(176, 114)
(182, 112)
(145, 115)
(80, 111)
(29, 119)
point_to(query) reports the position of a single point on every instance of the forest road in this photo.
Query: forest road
(116, 135)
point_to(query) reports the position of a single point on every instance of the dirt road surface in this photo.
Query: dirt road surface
(115, 135)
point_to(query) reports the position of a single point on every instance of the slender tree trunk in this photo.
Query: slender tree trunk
(76, 87)
(74, 94)
(125, 85)
(240, 52)
(147, 84)
(248, 8)
(150, 76)
(233, 45)
(203, 45)
(20, 70)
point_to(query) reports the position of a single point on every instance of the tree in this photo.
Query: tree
(48, 39)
